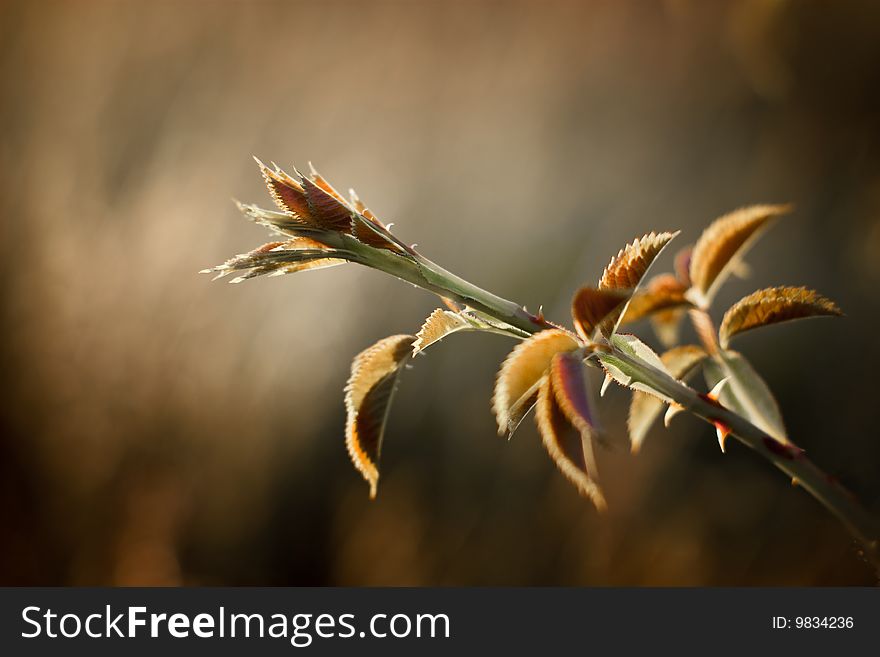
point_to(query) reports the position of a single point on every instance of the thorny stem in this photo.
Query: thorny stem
(862, 525)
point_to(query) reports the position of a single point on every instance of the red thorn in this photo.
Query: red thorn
(723, 432)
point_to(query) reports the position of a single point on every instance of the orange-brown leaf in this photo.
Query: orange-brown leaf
(590, 307)
(439, 324)
(569, 446)
(275, 258)
(627, 268)
(667, 325)
(724, 242)
(772, 306)
(327, 210)
(663, 292)
(368, 395)
(568, 376)
(370, 231)
(519, 376)
(682, 265)
(288, 193)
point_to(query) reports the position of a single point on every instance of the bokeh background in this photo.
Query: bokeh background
(161, 429)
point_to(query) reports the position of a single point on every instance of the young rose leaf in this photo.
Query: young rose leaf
(276, 258)
(563, 419)
(285, 223)
(288, 193)
(568, 377)
(439, 324)
(627, 269)
(746, 393)
(370, 231)
(705, 329)
(724, 242)
(517, 384)
(682, 265)
(628, 375)
(772, 306)
(666, 325)
(368, 395)
(328, 211)
(591, 307)
(644, 409)
(662, 292)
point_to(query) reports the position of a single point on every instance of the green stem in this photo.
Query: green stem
(791, 460)
(428, 275)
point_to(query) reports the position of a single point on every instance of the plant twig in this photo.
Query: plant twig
(791, 460)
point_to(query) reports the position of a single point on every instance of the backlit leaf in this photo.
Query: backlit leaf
(746, 392)
(724, 242)
(772, 306)
(516, 386)
(276, 258)
(439, 324)
(644, 409)
(570, 445)
(662, 292)
(591, 306)
(667, 325)
(368, 395)
(682, 265)
(327, 211)
(288, 193)
(627, 269)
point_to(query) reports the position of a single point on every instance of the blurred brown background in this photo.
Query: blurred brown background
(161, 429)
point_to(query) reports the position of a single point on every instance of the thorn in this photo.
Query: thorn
(388, 226)
(605, 384)
(540, 315)
(673, 410)
(205, 271)
(715, 392)
(312, 169)
(259, 162)
(412, 246)
(795, 481)
(723, 432)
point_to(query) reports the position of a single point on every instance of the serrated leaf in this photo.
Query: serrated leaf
(287, 192)
(516, 386)
(772, 306)
(276, 258)
(327, 211)
(368, 396)
(590, 308)
(439, 324)
(746, 393)
(628, 375)
(564, 424)
(627, 269)
(644, 409)
(724, 242)
(662, 292)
